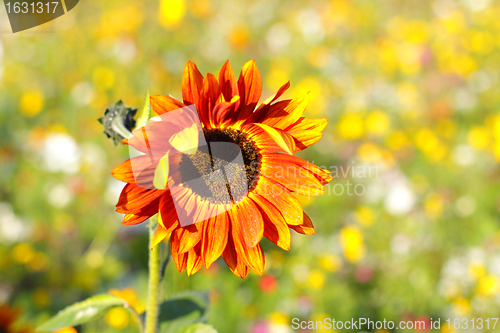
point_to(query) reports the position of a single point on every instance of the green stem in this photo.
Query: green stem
(154, 281)
(136, 317)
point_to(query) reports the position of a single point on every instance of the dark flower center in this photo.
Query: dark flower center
(225, 169)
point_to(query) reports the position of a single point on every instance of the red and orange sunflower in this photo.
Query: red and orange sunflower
(245, 201)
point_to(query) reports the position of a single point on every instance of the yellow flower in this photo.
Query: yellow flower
(488, 285)
(23, 253)
(397, 140)
(103, 78)
(117, 318)
(329, 262)
(66, 330)
(31, 103)
(476, 270)
(365, 216)
(352, 242)
(433, 206)
(478, 137)
(171, 12)
(316, 279)
(350, 126)
(377, 122)
(279, 318)
(461, 307)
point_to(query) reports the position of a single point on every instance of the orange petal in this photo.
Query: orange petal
(225, 112)
(303, 123)
(247, 223)
(263, 109)
(282, 139)
(180, 259)
(305, 228)
(262, 139)
(167, 213)
(292, 176)
(163, 103)
(250, 89)
(285, 113)
(322, 175)
(160, 234)
(289, 207)
(235, 263)
(192, 82)
(187, 237)
(133, 219)
(134, 199)
(253, 256)
(161, 173)
(304, 139)
(275, 227)
(208, 99)
(228, 83)
(195, 261)
(186, 141)
(214, 240)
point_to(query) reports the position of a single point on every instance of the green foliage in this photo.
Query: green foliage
(82, 312)
(200, 328)
(184, 309)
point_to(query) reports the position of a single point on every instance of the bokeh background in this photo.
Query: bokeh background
(411, 89)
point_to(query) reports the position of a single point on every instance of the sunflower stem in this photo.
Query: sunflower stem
(154, 281)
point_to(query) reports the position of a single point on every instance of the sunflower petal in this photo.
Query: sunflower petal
(285, 113)
(195, 261)
(275, 227)
(186, 141)
(208, 99)
(134, 199)
(233, 261)
(303, 123)
(305, 228)
(180, 259)
(214, 240)
(261, 112)
(160, 234)
(304, 139)
(192, 82)
(187, 237)
(289, 207)
(250, 89)
(247, 223)
(282, 139)
(228, 83)
(133, 219)
(292, 176)
(161, 173)
(163, 103)
(224, 112)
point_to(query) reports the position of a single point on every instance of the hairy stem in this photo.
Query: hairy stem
(154, 281)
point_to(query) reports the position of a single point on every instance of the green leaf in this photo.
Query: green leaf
(143, 116)
(183, 309)
(200, 328)
(81, 312)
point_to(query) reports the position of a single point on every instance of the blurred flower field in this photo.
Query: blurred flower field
(411, 90)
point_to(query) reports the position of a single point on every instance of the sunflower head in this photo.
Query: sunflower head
(218, 168)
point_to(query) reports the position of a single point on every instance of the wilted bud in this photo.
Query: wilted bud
(118, 121)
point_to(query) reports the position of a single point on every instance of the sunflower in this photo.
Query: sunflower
(224, 163)
(8, 317)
